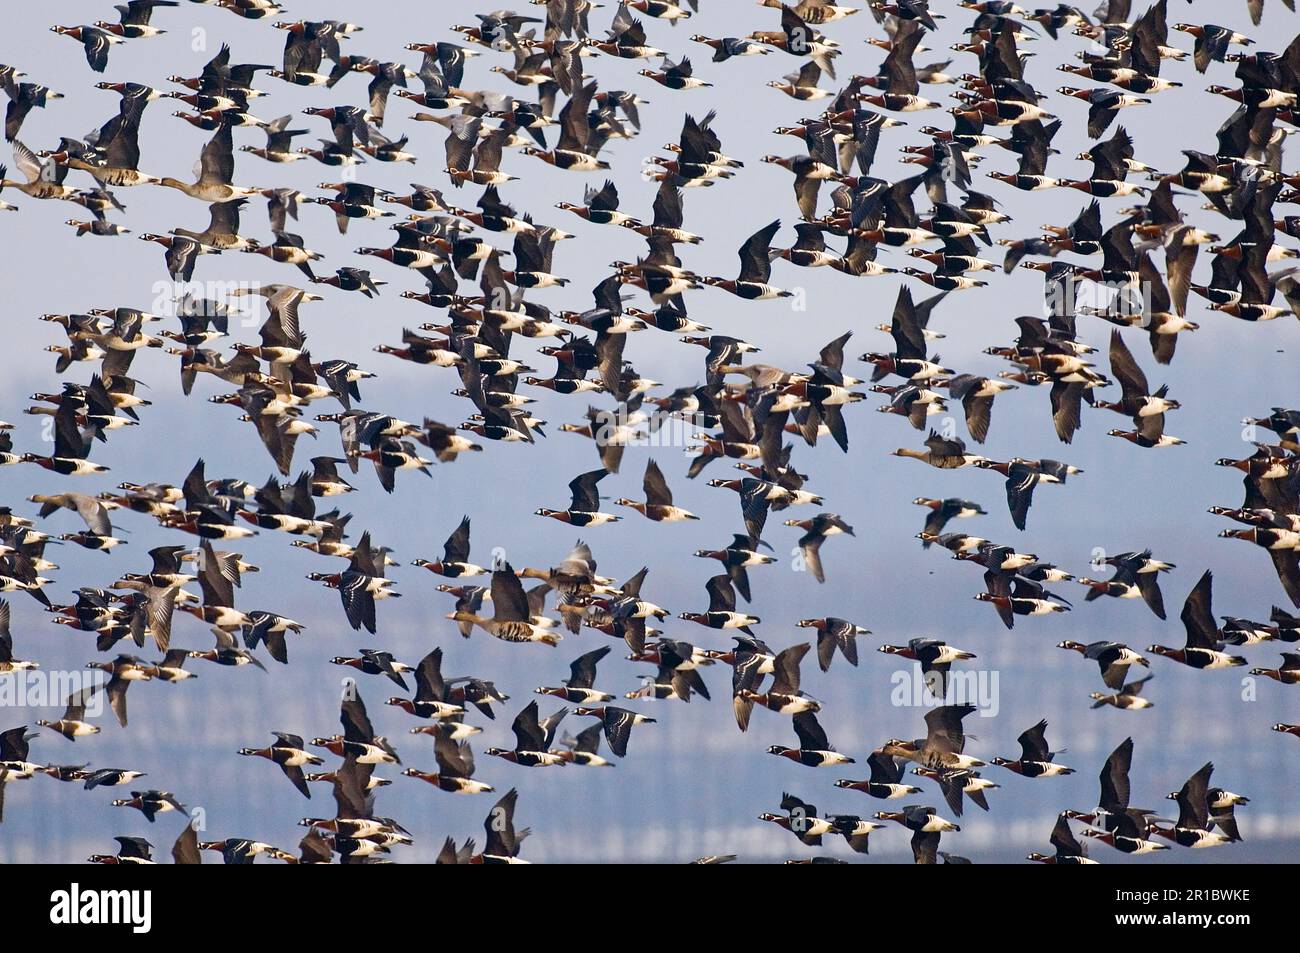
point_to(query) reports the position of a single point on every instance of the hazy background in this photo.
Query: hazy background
(691, 784)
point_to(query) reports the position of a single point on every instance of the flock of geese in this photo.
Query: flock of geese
(512, 89)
